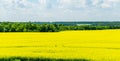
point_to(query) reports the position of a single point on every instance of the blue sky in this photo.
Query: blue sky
(59, 10)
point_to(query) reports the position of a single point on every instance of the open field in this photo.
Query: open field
(100, 45)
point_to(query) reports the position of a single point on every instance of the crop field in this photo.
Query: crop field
(101, 45)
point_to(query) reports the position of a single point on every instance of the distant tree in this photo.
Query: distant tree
(32, 27)
(1, 28)
(44, 28)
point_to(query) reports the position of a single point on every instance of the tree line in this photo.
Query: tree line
(32, 27)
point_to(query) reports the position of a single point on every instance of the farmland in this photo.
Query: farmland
(93, 44)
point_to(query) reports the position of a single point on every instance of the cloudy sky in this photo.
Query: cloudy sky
(59, 10)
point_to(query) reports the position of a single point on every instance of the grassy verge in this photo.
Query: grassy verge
(39, 59)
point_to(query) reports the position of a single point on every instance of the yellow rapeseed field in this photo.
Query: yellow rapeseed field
(99, 44)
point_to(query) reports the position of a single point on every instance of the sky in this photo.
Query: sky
(59, 10)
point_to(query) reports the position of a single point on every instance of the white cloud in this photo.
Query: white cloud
(58, 9)
(72, 3)
(67, 4)
(43, 3)
(109, 3)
